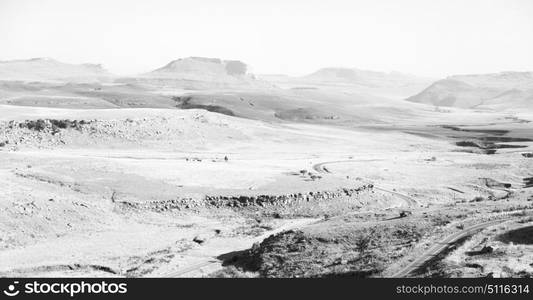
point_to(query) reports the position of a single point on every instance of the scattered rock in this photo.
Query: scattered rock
(199, 239)
(284, 199)
(405, 213)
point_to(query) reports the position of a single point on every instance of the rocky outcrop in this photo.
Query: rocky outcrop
(183, 203)
(49, 133)
(500, 90)
(285, 199)
(163, 205)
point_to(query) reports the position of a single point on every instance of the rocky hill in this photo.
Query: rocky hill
(194, 67)
(200, 73)
(393, 85)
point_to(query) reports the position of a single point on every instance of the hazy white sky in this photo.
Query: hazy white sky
(431, 38)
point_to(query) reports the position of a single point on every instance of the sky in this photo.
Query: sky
(433, 38)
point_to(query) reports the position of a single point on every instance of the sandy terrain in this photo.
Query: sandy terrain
(142, 178)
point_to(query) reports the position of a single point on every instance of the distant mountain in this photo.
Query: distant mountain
(47, 69)
(499, 90)
(201, 68)
(390, 85)
(199, 73)
(363, 77)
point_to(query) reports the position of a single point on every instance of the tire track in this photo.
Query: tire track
(320, 168)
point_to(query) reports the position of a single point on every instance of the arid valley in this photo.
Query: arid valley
(201, 169)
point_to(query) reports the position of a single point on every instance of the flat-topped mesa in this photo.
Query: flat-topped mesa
(50, 70)
(200, 67)
(200, 73)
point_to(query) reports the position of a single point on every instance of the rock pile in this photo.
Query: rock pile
(164, 205)
(287, 199)
(182, 203)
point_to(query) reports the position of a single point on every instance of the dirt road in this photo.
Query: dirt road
(439, 247)
(321, 168)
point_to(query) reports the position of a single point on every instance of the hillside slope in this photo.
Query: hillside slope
(393, 85)
(50, 70)
(505, 90)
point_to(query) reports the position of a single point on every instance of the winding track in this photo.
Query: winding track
(439, 247)
(195, 269)
(320, 168)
